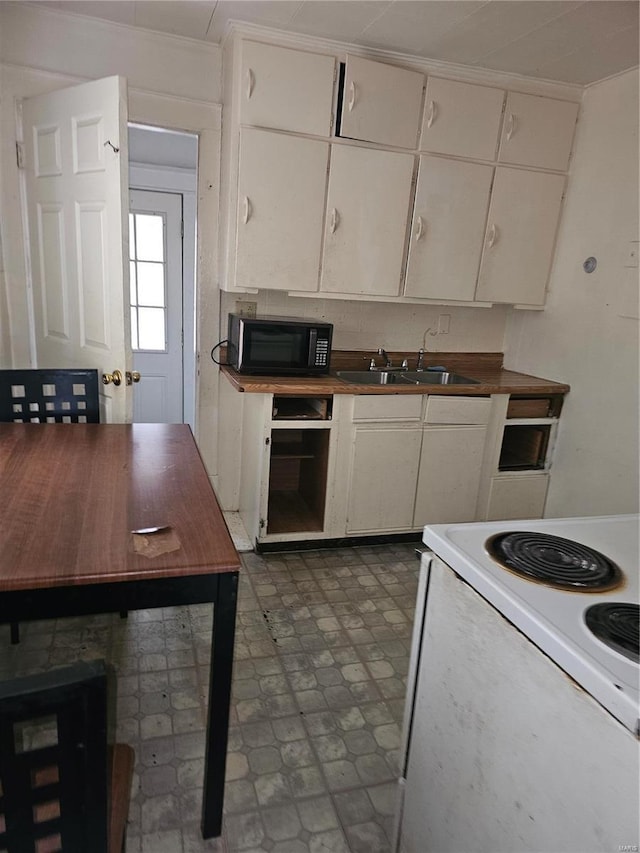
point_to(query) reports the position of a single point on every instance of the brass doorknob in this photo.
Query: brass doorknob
(132, 376)
(115, 377)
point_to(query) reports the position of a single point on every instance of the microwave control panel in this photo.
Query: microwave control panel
(322, 352)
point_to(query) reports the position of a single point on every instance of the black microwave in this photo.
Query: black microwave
(283, 346)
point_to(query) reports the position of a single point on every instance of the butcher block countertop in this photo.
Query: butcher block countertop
(485, 367)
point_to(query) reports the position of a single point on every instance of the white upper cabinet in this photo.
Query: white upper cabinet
(381, 103)
(366, 220)
(461, 119)
(281, 191)
(448, 228)
(521, 230)
(286, 89)
(537, 131)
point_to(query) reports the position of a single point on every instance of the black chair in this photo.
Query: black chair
(62, 787)
(48, 396)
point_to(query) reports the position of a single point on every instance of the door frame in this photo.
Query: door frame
(179, 181)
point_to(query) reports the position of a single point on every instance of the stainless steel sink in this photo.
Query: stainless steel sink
(436, 377)
(369, 377)
(405, 377)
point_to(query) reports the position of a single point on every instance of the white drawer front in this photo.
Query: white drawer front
(457, 410)
(392, 408)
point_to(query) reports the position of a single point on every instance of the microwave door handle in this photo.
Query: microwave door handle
(313, 340)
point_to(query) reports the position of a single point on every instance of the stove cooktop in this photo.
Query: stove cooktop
(554, 618)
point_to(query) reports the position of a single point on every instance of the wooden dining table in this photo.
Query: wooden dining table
(98, 518)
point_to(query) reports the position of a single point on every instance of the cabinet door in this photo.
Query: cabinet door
(281, 190)
(517, 497)
(383, 479)
(449, 479)
(449, 219)
(537, 131)
(286, 89)
(381, 103)
(461, 119)
(366, 221)
(521, 230)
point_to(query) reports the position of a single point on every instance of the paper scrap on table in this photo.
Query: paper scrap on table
(154, 544)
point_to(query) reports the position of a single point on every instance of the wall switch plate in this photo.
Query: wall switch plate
(246, 309)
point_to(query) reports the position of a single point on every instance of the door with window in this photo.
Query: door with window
(155, 273)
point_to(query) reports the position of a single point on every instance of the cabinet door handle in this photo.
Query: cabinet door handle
(352, 96)
(419, 229)
(432, 114)
(246, 212)
(334, 220)
(493, 236)
(251, 80)
(511, 126)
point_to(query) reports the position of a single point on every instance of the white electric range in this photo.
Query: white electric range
(503, 752)
(554, 619)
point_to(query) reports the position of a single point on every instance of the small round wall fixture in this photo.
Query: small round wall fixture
(590, 264)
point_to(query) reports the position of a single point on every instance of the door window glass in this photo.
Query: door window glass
(148, 281)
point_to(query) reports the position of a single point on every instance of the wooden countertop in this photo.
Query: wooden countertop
(485, 367)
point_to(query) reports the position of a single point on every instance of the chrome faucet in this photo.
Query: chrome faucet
(419, 362)
(385, 355)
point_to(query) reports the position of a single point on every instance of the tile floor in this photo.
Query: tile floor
(322, 649)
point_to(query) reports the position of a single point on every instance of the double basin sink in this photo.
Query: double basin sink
(404, 377)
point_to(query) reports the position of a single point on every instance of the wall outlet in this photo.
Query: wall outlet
(246, 309)
(444, 324)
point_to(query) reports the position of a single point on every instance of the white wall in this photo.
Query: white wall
(588, 334)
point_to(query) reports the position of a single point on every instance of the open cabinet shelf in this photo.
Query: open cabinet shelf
(297, 480)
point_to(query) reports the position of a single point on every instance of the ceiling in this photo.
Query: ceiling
(571, 42)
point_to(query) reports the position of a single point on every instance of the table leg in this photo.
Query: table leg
(222, 642)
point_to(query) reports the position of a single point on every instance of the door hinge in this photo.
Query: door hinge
(20, 154)
(262, 523)
(182, 228)
(267, 441)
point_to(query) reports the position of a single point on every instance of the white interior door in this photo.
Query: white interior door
(75, 166)
(155, 273)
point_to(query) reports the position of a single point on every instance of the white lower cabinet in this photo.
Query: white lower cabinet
(453, 445)
(425, 470)
(517, 497)
(449, 479)
(356, 465)
(384, 470)
(288, 467)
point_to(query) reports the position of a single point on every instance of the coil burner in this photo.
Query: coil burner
(617, 625)
(554, 561)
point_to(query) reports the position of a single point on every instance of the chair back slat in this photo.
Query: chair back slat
(53, 761)
(49, 396)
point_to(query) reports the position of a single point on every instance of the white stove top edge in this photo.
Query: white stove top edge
(622, 700)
